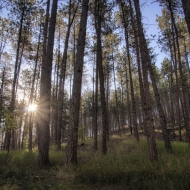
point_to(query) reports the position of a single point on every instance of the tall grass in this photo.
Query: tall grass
(129, 165)
(126, 166)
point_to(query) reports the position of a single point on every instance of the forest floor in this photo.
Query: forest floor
(125, 167)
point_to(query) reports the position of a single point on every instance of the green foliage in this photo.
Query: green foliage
(9, 120)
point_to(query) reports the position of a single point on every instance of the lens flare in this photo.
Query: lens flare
(32, 107)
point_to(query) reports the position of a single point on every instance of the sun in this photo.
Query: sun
(32, 107)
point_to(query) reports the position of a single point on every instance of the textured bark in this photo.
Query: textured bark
(160, 110)
(186, 9)
(148, 106)
(71, 157)
(98, 22)
(45, 95)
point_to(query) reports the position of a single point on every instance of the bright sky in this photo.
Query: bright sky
(149, 12)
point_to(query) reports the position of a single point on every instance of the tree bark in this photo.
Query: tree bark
(116, 98)
(31, 99)
(95, 109)
(62, 78)
(144, 59)
(141, 85)
(98, 21)
(160, 109)
(136, 134)
(15, 77)
(71, 157)
(45, 95)
(184, 91)
(186, 9)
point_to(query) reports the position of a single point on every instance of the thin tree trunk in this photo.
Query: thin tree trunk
(13, 93)
(98, 21)
(62, 78)
(95, 109)
(71, 157)
(128, 105)
(184, 91)
(141, 85)
(2, 92)
(130, 77)
(116, 98)
(160, 108)
(174, 60)
(144, 58)
(31, 99)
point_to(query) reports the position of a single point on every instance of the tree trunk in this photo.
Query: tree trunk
(174, 60)
(160, 108)
(186, 9)
(136, 134)
(184, 91)
(116, 98)
(62, 78)
(71, 157)
(13, 93)
(128, 105)
(141, 85)
(98, 21)
(144, 59)
(45, 95)
(31, 98)
(95, 109)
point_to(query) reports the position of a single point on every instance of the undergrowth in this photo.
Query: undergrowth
(126, 166)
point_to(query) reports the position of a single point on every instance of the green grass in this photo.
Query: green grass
(126, 166)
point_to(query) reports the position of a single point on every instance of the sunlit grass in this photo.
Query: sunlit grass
(126, 166)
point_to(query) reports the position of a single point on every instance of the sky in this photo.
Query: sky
(149, 12)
